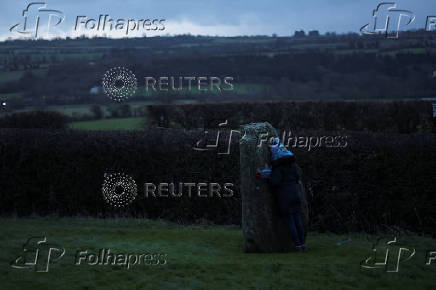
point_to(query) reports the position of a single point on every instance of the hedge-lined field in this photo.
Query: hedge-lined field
(376, 182)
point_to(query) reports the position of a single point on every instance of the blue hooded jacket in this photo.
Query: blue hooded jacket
(284, 179)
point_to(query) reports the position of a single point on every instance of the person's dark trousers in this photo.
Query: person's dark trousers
(296, 227)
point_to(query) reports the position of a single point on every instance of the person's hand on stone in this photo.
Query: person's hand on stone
(265, 173)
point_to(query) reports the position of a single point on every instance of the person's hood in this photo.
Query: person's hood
(278, 150)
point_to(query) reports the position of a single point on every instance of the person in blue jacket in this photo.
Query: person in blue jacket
(283, 178)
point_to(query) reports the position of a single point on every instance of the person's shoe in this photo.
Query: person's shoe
(301, 249)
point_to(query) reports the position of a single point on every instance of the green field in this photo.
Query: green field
(10, 76)
(109, 124)
(239, 89)
(11, 96)
(85, 109)
(199, 257)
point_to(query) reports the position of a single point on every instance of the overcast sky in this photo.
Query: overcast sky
(215, 17)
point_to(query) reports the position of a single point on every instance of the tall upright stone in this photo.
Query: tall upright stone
(263, 229)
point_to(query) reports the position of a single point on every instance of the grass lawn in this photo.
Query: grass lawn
(199, 257)
(109, 124)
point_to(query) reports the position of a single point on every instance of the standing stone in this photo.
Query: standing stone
(263, 229)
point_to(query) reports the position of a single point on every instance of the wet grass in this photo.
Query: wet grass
(200, 257)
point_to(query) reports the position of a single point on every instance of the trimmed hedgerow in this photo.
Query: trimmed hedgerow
(375, 181)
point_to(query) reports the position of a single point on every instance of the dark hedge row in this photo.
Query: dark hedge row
(36, 119)
(393, 117)
(377, 180)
